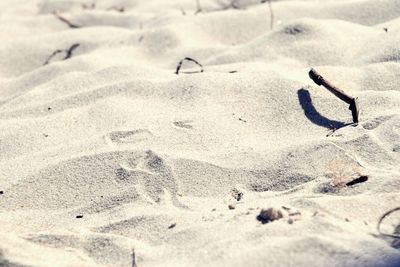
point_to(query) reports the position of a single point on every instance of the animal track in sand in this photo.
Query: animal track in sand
(134, 136)
(186, 124)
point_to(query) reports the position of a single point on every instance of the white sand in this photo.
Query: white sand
(152, 160)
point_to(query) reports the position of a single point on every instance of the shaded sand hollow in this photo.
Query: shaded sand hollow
(108, 158)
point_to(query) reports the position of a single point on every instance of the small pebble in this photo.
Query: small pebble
(231, 207)
(79, 216)
(172, 226)
(269, 215)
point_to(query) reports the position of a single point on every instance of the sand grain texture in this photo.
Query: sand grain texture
(108, 158)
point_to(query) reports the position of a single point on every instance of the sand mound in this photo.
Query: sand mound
(109, 158)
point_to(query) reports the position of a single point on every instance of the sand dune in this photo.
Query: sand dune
(108, 158)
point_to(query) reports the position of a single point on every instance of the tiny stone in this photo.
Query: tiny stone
(346, 219)
(79, 216)
(290, 221)
(1, 192)
(172, 226)
(214, 209)
(396, 148)
(231, 206)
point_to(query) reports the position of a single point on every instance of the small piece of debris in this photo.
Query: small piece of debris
(66, 21)
(133, 258)
(269, 215)
(172, 226)
(49, 108)
(68, 53)
(347, 220)
(236, 194)
(295, 213)
(396, 148)
(116, 8)
(385, 29)
(233, 71)
(358, 180)
(1, 192)
(214, 209)
(285, 208)
(45, 135)
(290, 221)
(232, 206)
(79, 216)
(188, 59)
(242, 120)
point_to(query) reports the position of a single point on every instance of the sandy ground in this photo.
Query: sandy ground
(108, 158)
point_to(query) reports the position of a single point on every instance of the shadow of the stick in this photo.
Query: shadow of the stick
(313, 115)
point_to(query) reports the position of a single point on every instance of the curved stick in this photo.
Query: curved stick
(188, 59)
(318, 79)
(380, 222)
(68, 53)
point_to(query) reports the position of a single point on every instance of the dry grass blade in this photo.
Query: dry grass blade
(68, 53)
(66, 21)
(271, 12)
(133, 258)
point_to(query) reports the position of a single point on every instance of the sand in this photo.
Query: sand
(109, 158)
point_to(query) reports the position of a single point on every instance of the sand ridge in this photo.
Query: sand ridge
(109, 158)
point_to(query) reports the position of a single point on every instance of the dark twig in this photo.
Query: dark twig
(352, 101)
(68, 53)
(133, 259)
(70, 24)
(188, 59)
(52, 55)
(119, 9)
(361, 179)
(380, 222)
(70, 50)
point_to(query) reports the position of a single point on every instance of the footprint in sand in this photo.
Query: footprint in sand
(186, 124)
(134, 136)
